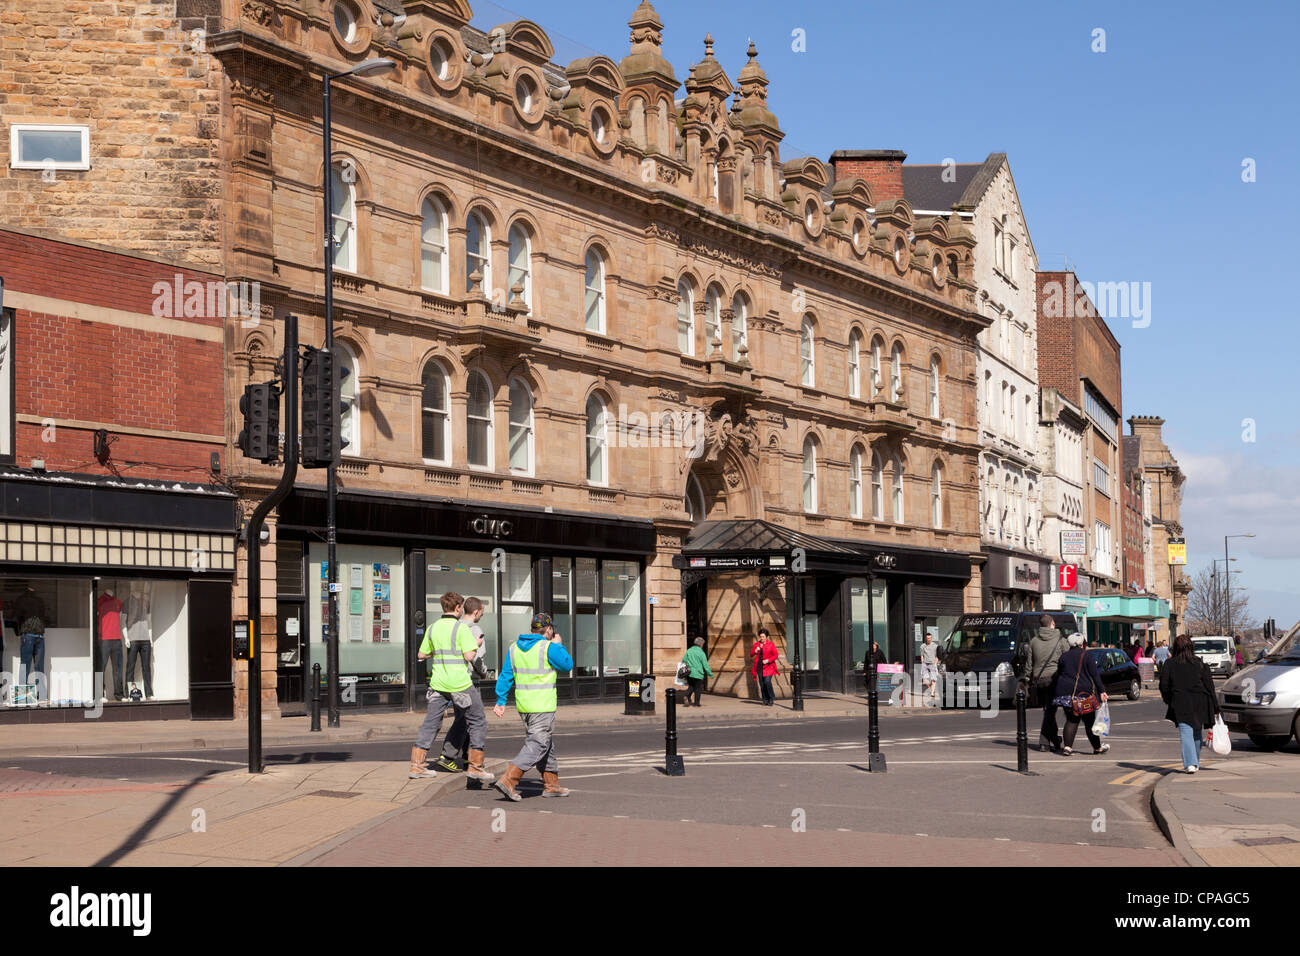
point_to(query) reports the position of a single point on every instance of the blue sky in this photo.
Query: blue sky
(1128, 162)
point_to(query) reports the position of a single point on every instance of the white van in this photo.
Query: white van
(1217, 653)
(1263, 699)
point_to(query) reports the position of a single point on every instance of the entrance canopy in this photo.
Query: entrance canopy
(1132, 610)
(716, 547)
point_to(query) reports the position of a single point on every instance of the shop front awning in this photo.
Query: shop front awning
(1132, 610)
(755, 545)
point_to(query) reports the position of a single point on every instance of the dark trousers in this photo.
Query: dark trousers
(765, 685)
(1072, 727)
(31, 658)
(142, 651)
(112, 651)
(1049, 730)
(694, 685)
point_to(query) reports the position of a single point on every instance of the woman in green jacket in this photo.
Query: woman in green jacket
(698, 663)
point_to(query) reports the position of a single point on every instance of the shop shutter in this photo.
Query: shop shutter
(930, 601)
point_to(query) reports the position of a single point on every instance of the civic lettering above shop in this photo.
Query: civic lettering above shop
(491, 527)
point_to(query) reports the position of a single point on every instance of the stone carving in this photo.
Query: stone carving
(665, 174)
(772, 217)
(732, 476)
(250, 91)
(721, 432)
(258, 12)
(731, 257)
(658, 231)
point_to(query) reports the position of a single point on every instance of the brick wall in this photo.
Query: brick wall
(882, 170)
(131, 73)
(73, 372)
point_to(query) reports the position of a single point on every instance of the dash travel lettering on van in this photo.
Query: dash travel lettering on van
(75, 909)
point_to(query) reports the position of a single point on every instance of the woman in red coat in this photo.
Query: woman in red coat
(765, 651)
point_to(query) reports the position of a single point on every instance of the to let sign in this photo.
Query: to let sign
(1067, 577)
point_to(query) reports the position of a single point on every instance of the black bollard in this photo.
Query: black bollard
(1022, 733)
(315, 697)
(673, 765)
(875, 759)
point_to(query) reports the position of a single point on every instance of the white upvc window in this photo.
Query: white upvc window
(739, 327)
(712, 321)
(685, 318)
(478, 422)
(896, 373)
(478, 253)
(349, 393)
(877, 487)
(855, 483)
(876, 348)
(807, 356)
(597, 442)
(936, 497)
(343, 219)
(934, 386)
(898, 492)
(49, 146)
(520, 261)
(594, 292)
(809, 475)
(433, 247)
(855, 365)
(435, 441)
(521, 428)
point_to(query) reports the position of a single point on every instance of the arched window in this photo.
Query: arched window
(349, 395)
(694, 500)
(521, 272)
(855, 482)
(521, 428)
(934, 386)
(739, 331)
(595, 292)
(685, 318)
(877, 347)
(895, 373)
(478, 254)
(478, 421)
(1014, 434)
(855, 364)
(807, 355)
(435, 442)
(936, 498)
(809, 475)
(877, 487)
(712, 320)
(898, 491)
(343, 216)
(433, 247)
(597, 443)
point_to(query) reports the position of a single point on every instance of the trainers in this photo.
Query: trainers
(1191, 770)
(1102, 749)
(450, 764)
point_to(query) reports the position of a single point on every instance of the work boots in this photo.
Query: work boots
(419, 768)
(552, 785)
(475, 770)
(508, 783)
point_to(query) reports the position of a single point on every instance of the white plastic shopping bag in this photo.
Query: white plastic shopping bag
(1219, 741)
(1102, 723)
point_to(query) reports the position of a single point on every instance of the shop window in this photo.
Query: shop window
(859, 596)
(111, 640)
(810, 646)
(620, 608)
(372, 615)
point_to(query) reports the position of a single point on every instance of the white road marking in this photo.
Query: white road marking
(228, 763)
(581, 776)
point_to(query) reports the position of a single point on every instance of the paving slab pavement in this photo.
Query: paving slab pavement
(1242, 810)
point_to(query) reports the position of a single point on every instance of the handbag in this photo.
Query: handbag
(1088, 702)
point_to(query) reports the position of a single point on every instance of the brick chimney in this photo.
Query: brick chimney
(881, 168)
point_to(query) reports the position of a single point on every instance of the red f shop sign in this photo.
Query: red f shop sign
(1067, 576)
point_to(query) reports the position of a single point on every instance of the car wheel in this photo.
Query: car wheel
(1134, 689)
(1269, 741)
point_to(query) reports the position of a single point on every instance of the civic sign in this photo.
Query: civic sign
(1067, 577)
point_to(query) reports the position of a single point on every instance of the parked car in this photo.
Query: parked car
(1217, 653)
(1262, 700)
(1118, 672)
(981, 649)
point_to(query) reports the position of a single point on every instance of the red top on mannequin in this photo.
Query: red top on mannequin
(110, 617)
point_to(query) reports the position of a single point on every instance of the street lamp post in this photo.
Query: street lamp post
(1220, 619)
(366, 68)
(1227, 581)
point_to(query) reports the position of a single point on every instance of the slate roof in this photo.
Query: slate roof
(733, 535)
(925, 189)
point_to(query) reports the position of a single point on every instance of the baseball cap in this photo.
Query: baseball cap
(541, 621)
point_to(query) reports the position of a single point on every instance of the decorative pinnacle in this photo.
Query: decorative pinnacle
(708, 44)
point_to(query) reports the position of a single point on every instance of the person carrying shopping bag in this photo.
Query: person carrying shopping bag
(1187, 687)
(1080, 691)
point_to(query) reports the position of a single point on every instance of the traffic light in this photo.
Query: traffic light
(322, 379)
(259, 439)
